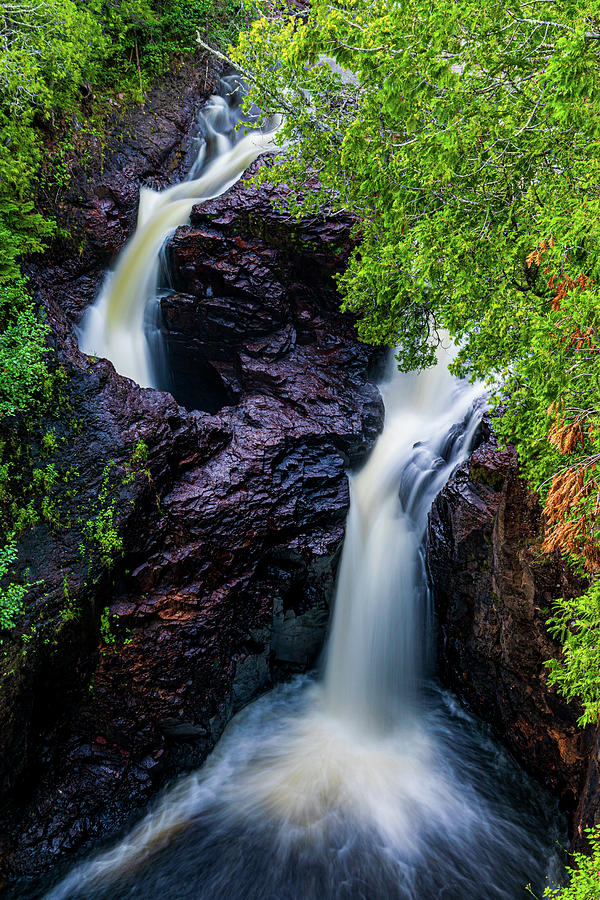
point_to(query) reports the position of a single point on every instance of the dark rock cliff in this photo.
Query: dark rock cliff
(587, 813)
(492, 590)
(231, 526)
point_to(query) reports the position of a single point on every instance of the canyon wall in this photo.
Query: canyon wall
(493, 590)
(230, 498)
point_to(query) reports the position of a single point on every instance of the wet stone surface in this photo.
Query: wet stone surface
(231, 529)
(492, 586)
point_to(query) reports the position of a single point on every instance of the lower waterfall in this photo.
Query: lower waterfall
(372, 782)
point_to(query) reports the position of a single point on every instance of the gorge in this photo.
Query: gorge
(231, 550)
(370, 784)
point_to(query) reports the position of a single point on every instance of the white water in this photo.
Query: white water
(114, 327)
(374, 783)
(378, 643)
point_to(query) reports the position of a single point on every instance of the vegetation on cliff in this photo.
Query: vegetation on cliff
(62, 62)
(467, 137)
(584, 874)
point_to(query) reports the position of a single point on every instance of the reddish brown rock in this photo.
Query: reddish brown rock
(150, 145)
(492, 589)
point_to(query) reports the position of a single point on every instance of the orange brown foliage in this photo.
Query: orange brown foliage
(573, 501)
(565, 283)
(566, 495)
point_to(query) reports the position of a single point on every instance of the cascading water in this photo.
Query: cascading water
(373, 783)
(378, 645)
(116, 326)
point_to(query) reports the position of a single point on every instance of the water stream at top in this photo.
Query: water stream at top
(372, 782)
(116, 326)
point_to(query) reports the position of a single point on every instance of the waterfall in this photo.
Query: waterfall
(372, 783)
(378, 642)
(115, 327)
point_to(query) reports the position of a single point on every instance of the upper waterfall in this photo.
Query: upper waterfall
(115, 326)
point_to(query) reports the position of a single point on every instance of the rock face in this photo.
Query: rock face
(231, 507)
(492, 586)
(229, 494)
(587, 814)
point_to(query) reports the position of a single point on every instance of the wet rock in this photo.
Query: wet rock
(492, 591)
(587, 812)
(231, 527)
(150, 145)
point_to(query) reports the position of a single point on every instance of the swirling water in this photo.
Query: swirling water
(371, 782)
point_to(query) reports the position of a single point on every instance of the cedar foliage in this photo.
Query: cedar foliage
(465, 136)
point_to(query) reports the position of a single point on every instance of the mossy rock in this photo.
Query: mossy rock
(482, 475)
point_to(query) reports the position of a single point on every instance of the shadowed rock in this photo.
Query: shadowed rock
(231, 528)
(492, 590)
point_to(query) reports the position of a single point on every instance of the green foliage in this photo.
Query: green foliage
(46, 48)
(45, 478)
(58, 61)
(11, 596)
(100, 532)
(584, 875)
(69, 611)
(107, 634)
(104, 534)
(49, 53)
(139, 458)
(147, 34)
(49, 443)
(53, 52)
(466, 138)
(46, 51)
(113, 631)
(25, 379)
(139, 455)
(576, 623)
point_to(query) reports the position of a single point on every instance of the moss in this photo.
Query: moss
(479, 474)
(70, 611)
